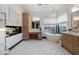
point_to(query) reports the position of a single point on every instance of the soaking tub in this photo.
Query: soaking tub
(53, 37)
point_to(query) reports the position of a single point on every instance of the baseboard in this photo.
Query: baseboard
(5, 53)
(15, 45)
(44, 37)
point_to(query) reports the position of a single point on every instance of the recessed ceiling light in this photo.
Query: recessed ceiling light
(40, 4)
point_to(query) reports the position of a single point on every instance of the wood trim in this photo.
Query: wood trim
(25, 24)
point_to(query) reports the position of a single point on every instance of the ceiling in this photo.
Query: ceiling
(40, 7)
(46, 10)
(46, 7)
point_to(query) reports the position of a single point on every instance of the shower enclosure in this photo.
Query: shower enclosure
(2, 32)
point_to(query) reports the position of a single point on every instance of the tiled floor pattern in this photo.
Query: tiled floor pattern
(38, 47)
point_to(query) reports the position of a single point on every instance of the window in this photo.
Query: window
(54, 26)
(62, 23)
(50, 26)
(63, 26)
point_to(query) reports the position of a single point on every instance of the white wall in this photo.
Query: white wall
(69, 19)
(14, 10)
(5, 8)
(17, 9)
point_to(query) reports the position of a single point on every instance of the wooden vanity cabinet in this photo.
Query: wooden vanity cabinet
(70, 42)
(35, 35)
(77, 46)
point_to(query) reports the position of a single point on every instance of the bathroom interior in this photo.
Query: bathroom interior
(39, 29)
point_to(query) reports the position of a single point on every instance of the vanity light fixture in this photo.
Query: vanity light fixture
(36, 19)
(76, 18)
(2, 29)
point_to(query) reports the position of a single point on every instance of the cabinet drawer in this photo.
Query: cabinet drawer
(10, 41)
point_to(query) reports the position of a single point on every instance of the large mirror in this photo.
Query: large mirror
(75, 20)
(35, 24)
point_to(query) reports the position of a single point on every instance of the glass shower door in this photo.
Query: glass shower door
(2, 33)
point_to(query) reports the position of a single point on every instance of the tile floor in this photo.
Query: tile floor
(38, 47)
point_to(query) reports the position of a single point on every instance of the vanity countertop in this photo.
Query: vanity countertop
(71, 33)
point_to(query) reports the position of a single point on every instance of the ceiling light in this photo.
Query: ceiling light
(75, 8)
(36, 19)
